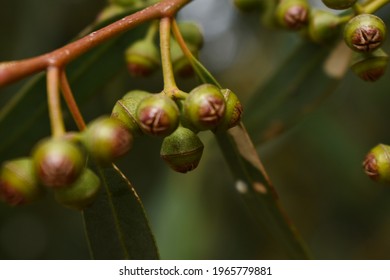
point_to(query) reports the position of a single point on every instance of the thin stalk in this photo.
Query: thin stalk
(165, 48)
(201, 71)
(373, 6)
(71, 102)
(53, 96)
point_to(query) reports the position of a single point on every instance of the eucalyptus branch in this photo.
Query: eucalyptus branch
(14, 70)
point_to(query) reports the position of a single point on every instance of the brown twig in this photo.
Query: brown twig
(16, 70)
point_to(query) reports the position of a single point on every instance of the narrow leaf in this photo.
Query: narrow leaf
(256, 190)
(116, 224)
(253, 184)
(302, 83)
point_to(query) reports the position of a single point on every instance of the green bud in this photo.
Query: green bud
(125, 3)
(205, 107)
(18, 182)
(107, 139)
(377, 163)
(339, 4)
(365, 33)
(109, 12)
(182, 150)
(81, 193)
(125, 110)
(58, 162)
(370, 66)
(157, 115)
(323, 26)
(233, 111)
(292, 14)
(180, 63)
(248, 5)
(192, 34)
(142, 58)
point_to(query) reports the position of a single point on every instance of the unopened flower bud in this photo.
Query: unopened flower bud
(370, 66)
(365, 33)
(323, 26)
(248, 5)
(205, 107)
(339, 4)
(293, 14)
(233, 111)
(192, 34)
(81, 193)
(107, 139)
(158, 115)
(377, 163)
(142, 58)
(182, 150)
(125, 110)
(58, 162)
(18, 182)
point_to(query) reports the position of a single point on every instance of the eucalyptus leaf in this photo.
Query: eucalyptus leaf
(116, 225)
(302, 83)
(252, 182)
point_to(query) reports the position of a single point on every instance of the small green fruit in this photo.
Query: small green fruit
(125, 3)
(365, 33)
(107, 139)
(233, 111)
(377, 163)
(81, 193)
(142, 58)
(248, 5)
(192, 34)
(180, 63)
(157, 115)
(182, 150)
(58, 162)
(18, 182)
(370, 66)
(109, 12)
(125, 110)
(293, 14)
(323, 26)
(205, 107)
(339, 4)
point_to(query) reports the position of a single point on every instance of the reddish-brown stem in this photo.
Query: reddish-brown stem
(71, 102)
(53, 97)
(180, 40)
(15, 70)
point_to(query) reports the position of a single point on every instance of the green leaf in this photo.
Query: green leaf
(116, 224)
(253, 184)
(301, 84)
(256, 190)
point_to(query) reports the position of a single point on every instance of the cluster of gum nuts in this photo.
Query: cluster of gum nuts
(363, 33)
(60, 163)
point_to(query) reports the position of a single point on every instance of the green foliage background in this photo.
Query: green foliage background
(315, 166)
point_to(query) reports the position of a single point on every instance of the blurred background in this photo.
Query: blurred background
(316, 166)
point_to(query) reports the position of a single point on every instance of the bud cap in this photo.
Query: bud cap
(182, 150)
